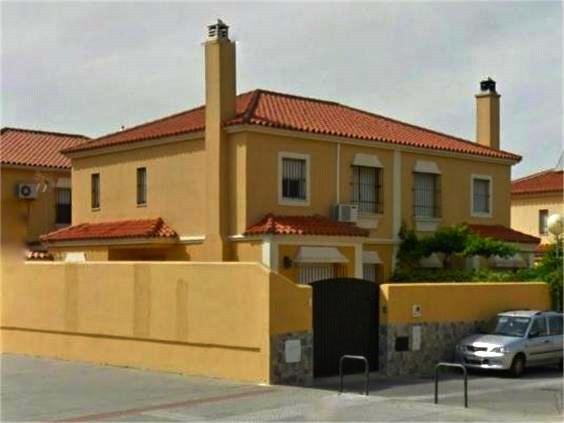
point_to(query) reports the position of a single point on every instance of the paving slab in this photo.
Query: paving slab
(40, 389)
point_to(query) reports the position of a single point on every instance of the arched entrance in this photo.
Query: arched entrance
(345, 321)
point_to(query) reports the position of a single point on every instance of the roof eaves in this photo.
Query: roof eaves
(87, 147)
(272, 124)
(33, 166)
(38, 131)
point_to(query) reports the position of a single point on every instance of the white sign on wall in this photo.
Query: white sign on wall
(416, 338)
(416, 310)
(293, 351)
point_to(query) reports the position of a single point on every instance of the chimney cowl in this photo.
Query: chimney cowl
(488, 85)
(218, 31)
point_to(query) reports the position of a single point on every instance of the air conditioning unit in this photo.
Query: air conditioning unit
(346, 212)
(27, 191)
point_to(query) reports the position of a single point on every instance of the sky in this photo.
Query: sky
(91, 67)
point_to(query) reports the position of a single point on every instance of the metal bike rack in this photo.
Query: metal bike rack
(366, 370)
(452, 365)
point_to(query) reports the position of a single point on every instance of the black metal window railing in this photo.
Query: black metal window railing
(426, 195)
(294, 183)
(366, 188)
(63, 206)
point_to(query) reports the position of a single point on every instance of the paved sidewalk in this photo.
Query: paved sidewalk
(50, 390)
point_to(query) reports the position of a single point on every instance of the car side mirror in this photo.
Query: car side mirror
(533, 334)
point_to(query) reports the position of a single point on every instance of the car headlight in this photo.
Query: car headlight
(499, 350)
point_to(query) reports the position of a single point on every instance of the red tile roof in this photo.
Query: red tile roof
(503, 233)
(303, 225)
(542, 182)
(284, 111)
(142, 228)
(26, 147)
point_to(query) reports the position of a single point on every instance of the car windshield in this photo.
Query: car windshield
(511, 326)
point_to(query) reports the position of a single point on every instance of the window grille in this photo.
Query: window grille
(367, 189)
(294, 179)
(309, 273)
(141, 186)
(95, 190)
(426, 195)
(481, 196)
(370, 272)
(63, 206)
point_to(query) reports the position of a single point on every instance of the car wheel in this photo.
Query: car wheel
(518, 366)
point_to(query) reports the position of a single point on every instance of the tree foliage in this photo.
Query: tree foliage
(450, 241)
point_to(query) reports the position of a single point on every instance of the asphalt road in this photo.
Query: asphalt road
(50, 390)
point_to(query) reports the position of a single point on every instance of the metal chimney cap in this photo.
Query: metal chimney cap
(487, 85)
(218, 31)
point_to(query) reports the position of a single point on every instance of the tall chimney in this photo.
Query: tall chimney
(487, 114)
(220, 107)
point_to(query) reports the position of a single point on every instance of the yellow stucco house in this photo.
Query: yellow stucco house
(310, 188)
(36, 188)
(534, 198)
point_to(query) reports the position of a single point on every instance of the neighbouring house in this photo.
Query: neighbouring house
(310, 188)
(36, 187)
(534, 198)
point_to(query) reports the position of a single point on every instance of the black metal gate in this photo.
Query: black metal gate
(345, 321)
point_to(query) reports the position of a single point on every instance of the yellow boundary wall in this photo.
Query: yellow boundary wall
(212, 319)
(458, 302)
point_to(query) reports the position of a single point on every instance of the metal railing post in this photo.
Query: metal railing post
(464, 372)
(366, 371)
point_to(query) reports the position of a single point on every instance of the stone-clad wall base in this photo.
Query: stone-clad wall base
(438, 342)
(299, 373)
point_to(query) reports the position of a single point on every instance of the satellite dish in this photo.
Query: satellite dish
(555, 224)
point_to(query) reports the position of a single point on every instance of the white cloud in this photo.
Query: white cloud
(91, 67)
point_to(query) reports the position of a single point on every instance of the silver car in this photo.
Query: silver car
(517, 339)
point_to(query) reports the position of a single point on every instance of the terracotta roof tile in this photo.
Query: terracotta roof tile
(142, 228)
(503, 233)
(26, 147)
(185, 122)
(284, 111)
(304, 225)
(541, 182)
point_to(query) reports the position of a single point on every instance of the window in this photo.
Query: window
(543, 222)
(95, 190)
(538, 328)
(367, 189)
(370, 272)
(141, 186)
(481, 195)
(309, 273)
(293, 179)
(63, 206)
(426, 195)
(555, 323)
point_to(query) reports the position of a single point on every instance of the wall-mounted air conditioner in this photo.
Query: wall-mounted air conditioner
(27, 191)
(346, 212)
